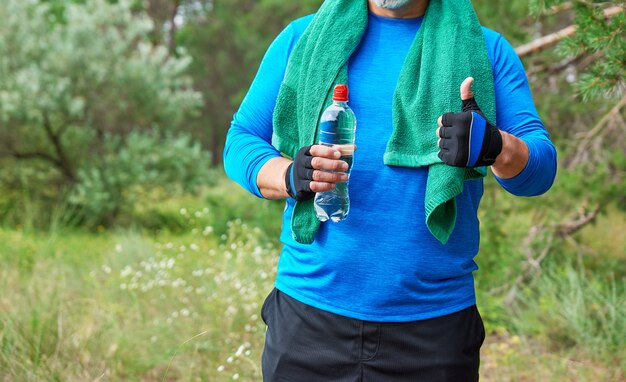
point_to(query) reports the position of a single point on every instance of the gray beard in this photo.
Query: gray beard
(391, 4)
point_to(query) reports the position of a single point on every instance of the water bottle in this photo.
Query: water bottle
(337, 129)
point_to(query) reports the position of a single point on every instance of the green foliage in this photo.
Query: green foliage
(227, 205)
(597, 37)
(141, 169)
(223, 203)
(99, 71)
(605, 77)
(227, 41)
(589, 137)
(56, 8)
(499, 18)
(73, 91)
(541, 6)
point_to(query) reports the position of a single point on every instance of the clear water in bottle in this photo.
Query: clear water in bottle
(337, 129)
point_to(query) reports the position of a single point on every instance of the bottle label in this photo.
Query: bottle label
(328, 132)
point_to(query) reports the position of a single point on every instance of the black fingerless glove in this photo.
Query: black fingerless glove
(299, 175)
(468, 139)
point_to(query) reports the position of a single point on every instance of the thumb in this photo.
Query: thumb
(466, 89)
(468, 103)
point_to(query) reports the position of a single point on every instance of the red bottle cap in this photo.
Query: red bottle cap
(340, 93)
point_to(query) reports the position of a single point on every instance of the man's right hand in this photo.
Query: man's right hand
(315, 168)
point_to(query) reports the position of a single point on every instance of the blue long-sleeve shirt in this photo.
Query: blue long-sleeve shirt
(382, 263)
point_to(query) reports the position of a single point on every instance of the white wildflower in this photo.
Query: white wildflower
(240, 350)
(198, 272)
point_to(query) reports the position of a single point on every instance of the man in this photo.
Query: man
(388, 293)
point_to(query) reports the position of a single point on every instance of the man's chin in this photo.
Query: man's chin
(391, 4)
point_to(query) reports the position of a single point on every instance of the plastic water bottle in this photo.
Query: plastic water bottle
(337, 129)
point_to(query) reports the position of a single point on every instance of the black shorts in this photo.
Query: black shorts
(305, 344)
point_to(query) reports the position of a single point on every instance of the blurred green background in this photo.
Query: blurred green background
(126, 254)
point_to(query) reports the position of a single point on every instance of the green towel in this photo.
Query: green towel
(448, 48)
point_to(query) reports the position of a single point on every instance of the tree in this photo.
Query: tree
(227, 40)
(582, 96)
(72, 90)
(598, 34)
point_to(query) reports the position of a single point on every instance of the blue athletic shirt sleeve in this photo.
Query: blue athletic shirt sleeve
(516, 114)
(248, 142)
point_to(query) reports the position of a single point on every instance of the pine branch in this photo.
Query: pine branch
(532, 266)
(574, 225)
(580, 62)
(583, 148)
(547, 41)
(535, 257)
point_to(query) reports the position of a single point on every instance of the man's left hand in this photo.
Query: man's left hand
(468, 139)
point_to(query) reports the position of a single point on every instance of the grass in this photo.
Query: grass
(513, 358)
(125, 307)
(182, 304)
(154, 305)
